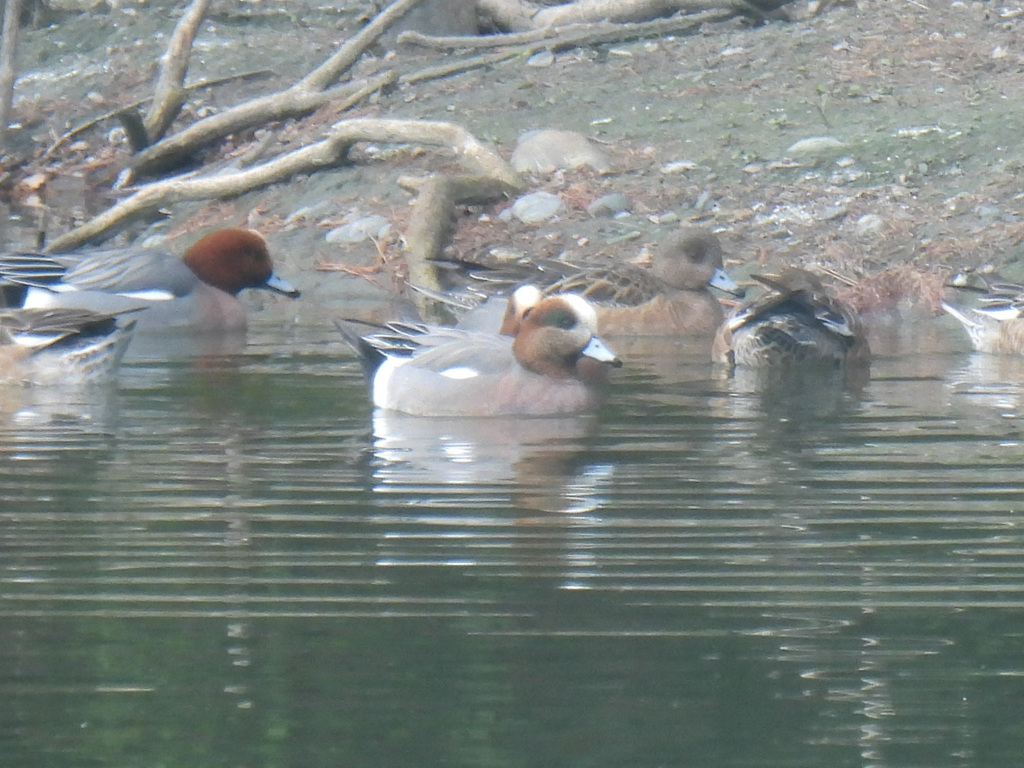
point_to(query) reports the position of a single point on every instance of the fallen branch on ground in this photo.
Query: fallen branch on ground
(305, 96)
(522, 15)
(169, 95)
(329, 152)
(573, 35)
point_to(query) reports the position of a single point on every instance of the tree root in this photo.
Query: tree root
(522, 15)
(329, 152)
(433, 222)
(572, 36)
(489, 177)
(169, 96)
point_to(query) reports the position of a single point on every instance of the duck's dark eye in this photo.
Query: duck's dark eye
(562, 318)
(699, 254)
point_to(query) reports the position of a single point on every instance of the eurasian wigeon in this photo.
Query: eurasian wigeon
(197, 291)
(60, 345)
(795, 320)
(551, 366)
(996, 325)
(671, 298)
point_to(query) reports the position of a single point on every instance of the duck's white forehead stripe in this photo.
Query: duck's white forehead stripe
(583, 309)
(460, 373)
(526, 296)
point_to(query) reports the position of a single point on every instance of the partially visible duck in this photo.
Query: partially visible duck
(197, 291)
(551, 366)
(671, 298)
(477, 310)
(795, 320)
(60, 345)
(995, 326)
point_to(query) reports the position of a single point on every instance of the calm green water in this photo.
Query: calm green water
(236, 563)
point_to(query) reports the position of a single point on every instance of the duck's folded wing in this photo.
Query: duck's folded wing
(455, 353)
(34, 270)
(43, 327)
(132, 272)
(621, 284)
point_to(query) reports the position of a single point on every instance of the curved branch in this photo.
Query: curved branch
(326, 153)
(523, 15)
(346, 56)
(278, 106)
(468, 42)
(570, 36)
(170, 93)
(300, 99)
(615, 11)
(8, 70)
(72, 132)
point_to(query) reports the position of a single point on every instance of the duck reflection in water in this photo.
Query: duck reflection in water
(489, 492)
(537, 463)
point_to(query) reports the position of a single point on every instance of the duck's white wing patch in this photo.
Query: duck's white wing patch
(153, 294)
(35, 340)
(460, 372)
(382, 379)
(1003, 312)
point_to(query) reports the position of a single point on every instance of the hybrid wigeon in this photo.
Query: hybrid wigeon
(552, 365)
(795, 320)
(197, 291)
(60, 345)
(996, 325)
(670, 298)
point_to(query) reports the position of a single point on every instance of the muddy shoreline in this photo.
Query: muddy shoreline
(874, 139)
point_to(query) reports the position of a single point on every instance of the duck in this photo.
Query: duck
(996, 326)
(197, 291)
(795, 320)
(61, 344)
(671, 298)
(519, 302)
(553, 365)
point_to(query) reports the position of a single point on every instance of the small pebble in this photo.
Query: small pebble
(365, 228)
(870, 224)
(832, 212)
(547, 151)
(537, 207)
(609, 205)
(665, 217)
(814, 144)
(678, 166)
(543, 58)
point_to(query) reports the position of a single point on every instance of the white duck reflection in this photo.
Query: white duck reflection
(989, 381)
(537, 462)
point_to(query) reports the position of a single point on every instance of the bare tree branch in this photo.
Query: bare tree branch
(470, 42)
(615, 11)
(570, 36)
(300, 99)
(328, 72)
(170, 92)
(71, 133)
(523, 15)
(326, 153)
(8, 66)
(277, 106)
